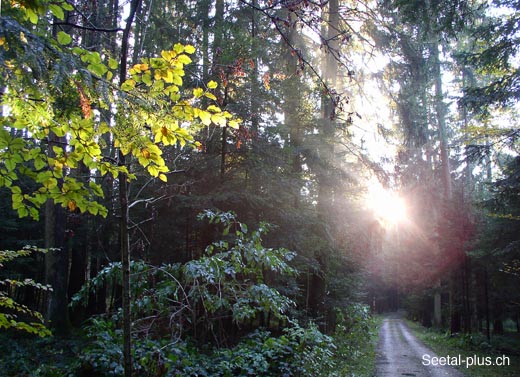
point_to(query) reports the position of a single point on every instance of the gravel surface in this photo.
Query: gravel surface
(400, 353)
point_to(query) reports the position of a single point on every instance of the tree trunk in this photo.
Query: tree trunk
(486, 303)
(56, 267)
(123, 200)
(204, 12)
(325, 174)
(57, 258)
(440, 112)
(437, 305)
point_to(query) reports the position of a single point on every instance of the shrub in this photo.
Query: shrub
(10, 310)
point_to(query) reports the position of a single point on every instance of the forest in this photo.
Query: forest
(242, 187)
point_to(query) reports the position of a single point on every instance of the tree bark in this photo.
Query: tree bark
(123, 200)
(56, 268)
(440, 115)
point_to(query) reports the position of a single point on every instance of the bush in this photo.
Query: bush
(297, 352)
(355, 337)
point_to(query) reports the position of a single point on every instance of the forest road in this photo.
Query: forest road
(400, 353)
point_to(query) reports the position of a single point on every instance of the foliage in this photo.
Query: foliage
(41, 357)
(31, 321)
(229, 280)
(355, 339)
(231, 276)
(471, 345)
(51, 130)
(298, 351)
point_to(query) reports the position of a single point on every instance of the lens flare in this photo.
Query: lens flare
(387, 206)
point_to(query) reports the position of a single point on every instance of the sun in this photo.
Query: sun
(387, 206)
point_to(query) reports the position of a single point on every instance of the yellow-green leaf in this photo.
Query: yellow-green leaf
(97, 68)
(128, 85)
(177, 80)
(212, 84)
(184, 59)
(63, 38)
(219, 119)
(57, 11)
(189, 49)
(205, 117)
(168, 55)
(233, 124)
(210, 96)
(33, 17)
(67, 6)
(214, 109)
(112, 63)
(178, 48)
(147, 78)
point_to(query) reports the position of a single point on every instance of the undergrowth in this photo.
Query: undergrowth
(298, 351)
(476, 346)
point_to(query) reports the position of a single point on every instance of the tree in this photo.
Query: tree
(151, 112)
(420, 33)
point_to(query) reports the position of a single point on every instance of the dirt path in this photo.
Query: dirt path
(400, 353)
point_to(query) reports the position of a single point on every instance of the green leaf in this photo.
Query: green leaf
(67, 6)
(96, 189)
(158, 86)
(91, 57)
(97, 68)
(10, 164)
(128, 85)
(93, 210)
(57, 11)
(112, 63)
(33, 17)
(39, 163)
(147, 78)
(63, 38)
(5, 138)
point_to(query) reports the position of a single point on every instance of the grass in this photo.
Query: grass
(474, 345)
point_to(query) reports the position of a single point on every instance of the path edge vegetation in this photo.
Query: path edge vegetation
(469, 345)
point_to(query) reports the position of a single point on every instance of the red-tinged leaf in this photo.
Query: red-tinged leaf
(266, 80)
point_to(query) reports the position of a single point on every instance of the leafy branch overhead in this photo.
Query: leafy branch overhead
(45, 135)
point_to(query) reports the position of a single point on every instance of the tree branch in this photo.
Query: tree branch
(93, 28)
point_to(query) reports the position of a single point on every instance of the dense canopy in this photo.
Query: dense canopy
(220, 188)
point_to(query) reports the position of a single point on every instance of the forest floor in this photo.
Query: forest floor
(400, 353)
(475, 349)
